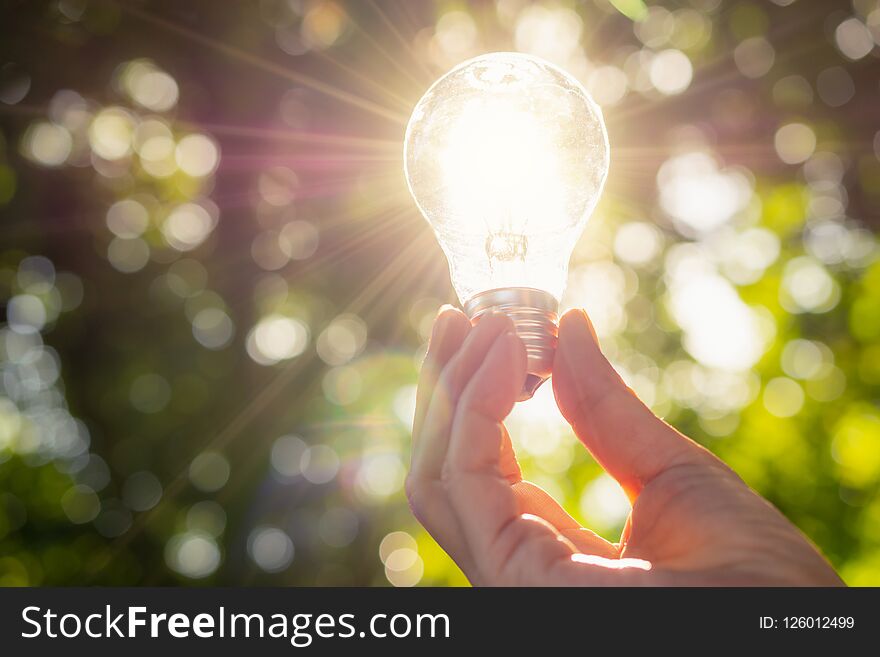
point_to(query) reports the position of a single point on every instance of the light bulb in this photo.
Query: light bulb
(506, 156)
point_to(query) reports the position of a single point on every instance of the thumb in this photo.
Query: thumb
(622, 434)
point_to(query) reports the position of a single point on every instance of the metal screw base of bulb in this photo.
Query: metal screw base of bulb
(534, 314)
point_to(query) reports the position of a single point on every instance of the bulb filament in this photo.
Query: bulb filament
(505, 247)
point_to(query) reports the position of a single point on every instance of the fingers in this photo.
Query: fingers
(469, 493)
(439, 392)
(624, 436)
(505, 545)
(507, 460)
(450, 329)
(534, 500)
(431, 444)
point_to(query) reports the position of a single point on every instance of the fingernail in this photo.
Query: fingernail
(504, 340)
(439, 328)
(513, 338)
(491, 317)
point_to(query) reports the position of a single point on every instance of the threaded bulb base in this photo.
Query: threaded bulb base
(534, 315)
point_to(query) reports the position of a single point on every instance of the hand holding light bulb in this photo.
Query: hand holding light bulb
(506, 156)
(693, 521)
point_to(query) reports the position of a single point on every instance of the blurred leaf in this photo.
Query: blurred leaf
(634, 9)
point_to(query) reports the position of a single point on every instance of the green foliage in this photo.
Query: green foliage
(217, 289)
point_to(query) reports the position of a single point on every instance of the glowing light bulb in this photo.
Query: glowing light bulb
(506, 156)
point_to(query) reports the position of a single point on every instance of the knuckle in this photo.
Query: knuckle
(414, 498)
(446, 476)
(411, 487)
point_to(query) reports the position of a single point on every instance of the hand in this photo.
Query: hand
(693, 522)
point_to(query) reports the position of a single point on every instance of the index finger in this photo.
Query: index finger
(450, 329)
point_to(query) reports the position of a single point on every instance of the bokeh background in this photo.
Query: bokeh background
(216, 289)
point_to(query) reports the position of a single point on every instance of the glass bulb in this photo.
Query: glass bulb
(506, 156)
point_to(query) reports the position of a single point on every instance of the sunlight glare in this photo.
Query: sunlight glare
(481, 164)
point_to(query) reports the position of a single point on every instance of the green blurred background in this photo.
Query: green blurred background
(216, 289)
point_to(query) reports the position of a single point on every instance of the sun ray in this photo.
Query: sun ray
(296, 136)
(260, 402)
(403, 103)
(388, 57)
(270, 67)
(312, 159)
(406, 44)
